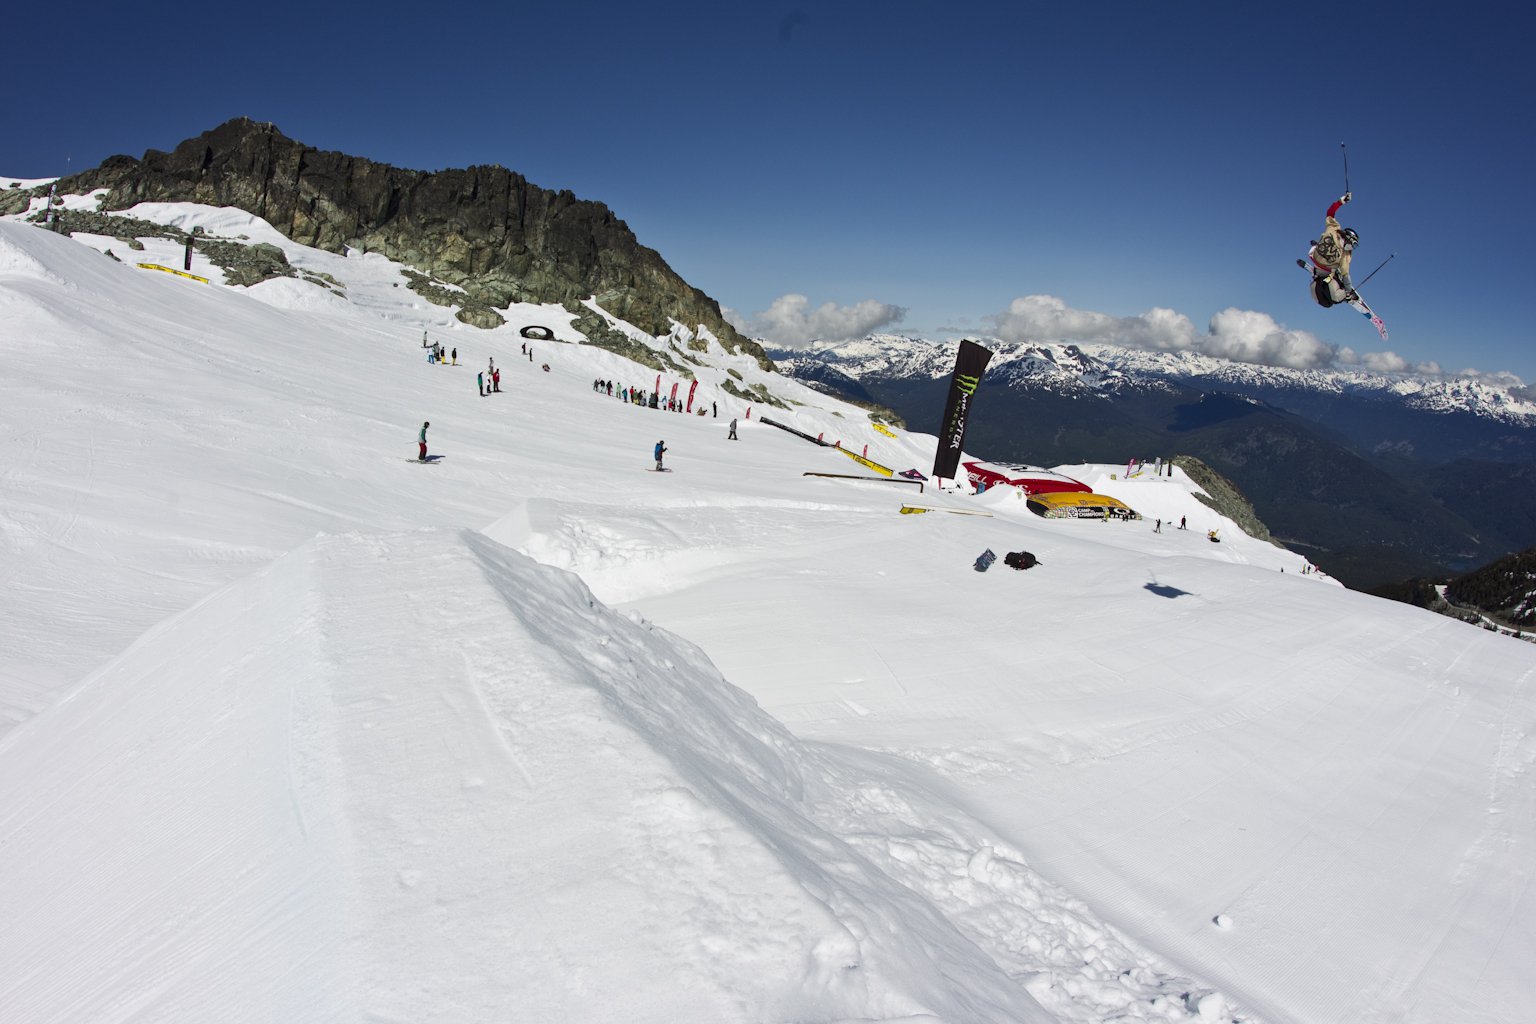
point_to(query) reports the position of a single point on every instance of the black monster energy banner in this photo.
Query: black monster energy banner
(970, 364)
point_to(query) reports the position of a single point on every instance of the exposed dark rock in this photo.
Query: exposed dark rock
(601, 334)
(754, 393)
(471, 310)
(477, 314)
(1224, 497)
(127, 229)
(246, 265)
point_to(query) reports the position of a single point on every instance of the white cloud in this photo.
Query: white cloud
(1240, 335)
(1246, 336)
(1381, 362)
(1391, 362)
(1161, 329)
(791, 321)
(1047, 318)
(1039, 317)
(1502, 378)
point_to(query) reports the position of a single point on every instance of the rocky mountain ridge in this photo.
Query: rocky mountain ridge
(485, 229)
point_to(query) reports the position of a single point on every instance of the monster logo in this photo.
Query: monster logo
(970, 364)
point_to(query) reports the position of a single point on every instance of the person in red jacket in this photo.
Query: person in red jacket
(1330, 256)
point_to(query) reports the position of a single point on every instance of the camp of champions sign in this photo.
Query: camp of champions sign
(970, 364)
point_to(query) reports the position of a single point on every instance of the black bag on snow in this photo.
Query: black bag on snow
(1020, 560)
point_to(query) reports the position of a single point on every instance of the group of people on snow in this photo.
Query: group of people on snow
(647, 399)
(488, 381)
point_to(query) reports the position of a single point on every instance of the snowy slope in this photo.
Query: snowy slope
(322, 807)
(403, 770)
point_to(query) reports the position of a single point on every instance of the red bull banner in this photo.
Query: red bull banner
(691, 389)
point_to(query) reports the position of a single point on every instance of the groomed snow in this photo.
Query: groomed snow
(300, 730)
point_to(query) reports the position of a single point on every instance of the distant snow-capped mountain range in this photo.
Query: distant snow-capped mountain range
(1380, 476)
(1106, 369)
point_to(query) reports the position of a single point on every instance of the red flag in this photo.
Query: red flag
(657, 392)
(691, 389)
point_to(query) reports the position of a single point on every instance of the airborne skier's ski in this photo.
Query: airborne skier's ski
(1356, 302)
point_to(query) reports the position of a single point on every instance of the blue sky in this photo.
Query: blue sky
(918, 167)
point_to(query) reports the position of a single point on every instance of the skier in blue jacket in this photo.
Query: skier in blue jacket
(661, 448)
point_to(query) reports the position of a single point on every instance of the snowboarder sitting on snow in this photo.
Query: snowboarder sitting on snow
(661, 449)
(1330, 256)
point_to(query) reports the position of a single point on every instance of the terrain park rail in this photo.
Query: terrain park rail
(917, 510)
(792, 430)
(170, 270)
(869, 479)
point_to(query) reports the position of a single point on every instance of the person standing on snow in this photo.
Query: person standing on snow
(421, 439)
(661, 449)
(732, 435)
(1330, 256)
(480, 382)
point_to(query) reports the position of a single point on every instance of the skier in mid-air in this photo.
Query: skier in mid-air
(1330, 257)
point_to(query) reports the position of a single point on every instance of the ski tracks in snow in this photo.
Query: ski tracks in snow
(1074, 964)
